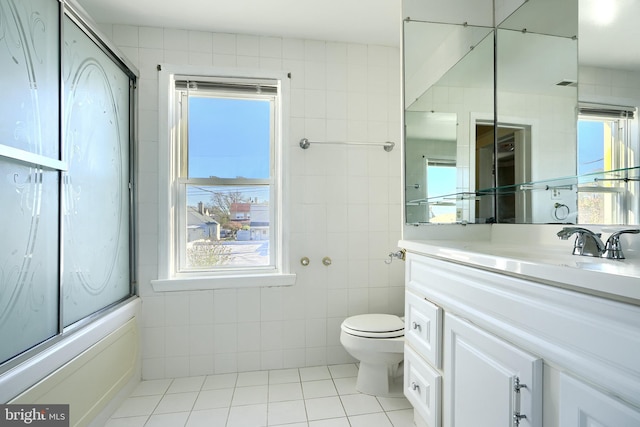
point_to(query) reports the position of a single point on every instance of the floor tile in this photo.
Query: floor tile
(370, 420)
(324, 407)
(290, 425)
(211, 399)
(213, 382)
(346, 385)
(343, 371)
(282, 376)
(253, 378)
(250, 395)
(127, 422)
(332, 422)
(358, 404)
(286, 412)
(150, 388)
(177, 402)
(401, 418)
(249, 415)
(284, 392)
(208, 418)
(315, 373)
(136, 406)
(174, 419)
(394, 403)
(322, 388)
(184, 385)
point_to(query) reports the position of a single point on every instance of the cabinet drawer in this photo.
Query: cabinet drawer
(423, 329)
(422, 387)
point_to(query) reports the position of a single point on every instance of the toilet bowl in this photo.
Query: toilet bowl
(377, 341)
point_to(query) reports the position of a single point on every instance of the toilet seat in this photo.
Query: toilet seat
(374, 326)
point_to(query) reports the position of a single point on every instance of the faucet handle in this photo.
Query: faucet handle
(613, 248)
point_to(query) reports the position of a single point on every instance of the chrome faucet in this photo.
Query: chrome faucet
(587, 242)
(613, 248)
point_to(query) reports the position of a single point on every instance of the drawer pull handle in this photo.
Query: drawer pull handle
(416, 326)
(517, 416)
(415, 386)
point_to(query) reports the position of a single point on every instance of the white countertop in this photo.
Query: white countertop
(549, 264)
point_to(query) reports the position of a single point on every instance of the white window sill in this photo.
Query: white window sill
(223, 282)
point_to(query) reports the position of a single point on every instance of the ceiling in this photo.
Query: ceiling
(608, 28)
(354, 21)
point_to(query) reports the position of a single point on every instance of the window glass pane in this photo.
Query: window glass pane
(96, 187)
(441, 180)
(229, 138)
(227, 227)
(28, 257)
(29, 82)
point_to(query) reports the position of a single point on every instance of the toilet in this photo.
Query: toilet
(377, 341)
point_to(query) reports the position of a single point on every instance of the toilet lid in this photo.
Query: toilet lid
(374, 326)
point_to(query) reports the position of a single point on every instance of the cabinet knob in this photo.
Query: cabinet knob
(415, 386)
(416, 326)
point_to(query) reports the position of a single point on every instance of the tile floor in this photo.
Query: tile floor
(323, 396)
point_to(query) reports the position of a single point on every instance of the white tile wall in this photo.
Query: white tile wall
(345, 204)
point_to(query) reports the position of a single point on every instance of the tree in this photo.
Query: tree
(221, 203)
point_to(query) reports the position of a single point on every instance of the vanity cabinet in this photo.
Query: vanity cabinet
(490, 349)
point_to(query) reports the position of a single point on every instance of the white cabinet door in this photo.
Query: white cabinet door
(488, 382)
(584, 406)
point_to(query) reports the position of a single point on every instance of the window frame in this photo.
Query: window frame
(170, 277)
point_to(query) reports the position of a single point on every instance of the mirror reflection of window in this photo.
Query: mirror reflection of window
(604, 144)
(441, 180)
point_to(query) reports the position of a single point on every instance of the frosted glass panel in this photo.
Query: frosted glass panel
(29, 79)
(96, 193)
(28, 194)
(28, 257)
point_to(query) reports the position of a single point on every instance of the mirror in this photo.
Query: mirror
(456, 65)
(539, 164)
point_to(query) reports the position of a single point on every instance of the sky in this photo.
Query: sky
(590, 146)
(228, 138)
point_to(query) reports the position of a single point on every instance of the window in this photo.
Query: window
(604, 144)
(225, 180)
